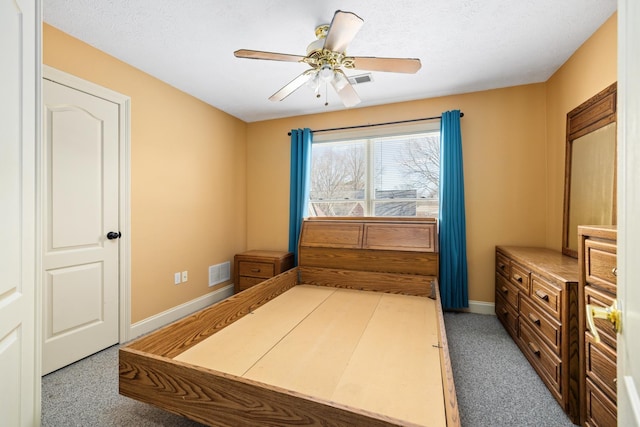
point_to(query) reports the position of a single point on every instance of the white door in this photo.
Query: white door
(19, 139)
(80, 255)
(629, 212)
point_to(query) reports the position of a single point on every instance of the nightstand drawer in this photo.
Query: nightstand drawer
(245, 282)
(255, 269)
(255, 266)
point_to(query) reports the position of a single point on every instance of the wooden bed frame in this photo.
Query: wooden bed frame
(371, 254)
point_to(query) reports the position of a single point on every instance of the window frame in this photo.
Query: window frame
(370, 134)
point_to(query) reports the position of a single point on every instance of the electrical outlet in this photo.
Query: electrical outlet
(185, 276)
(176, 279)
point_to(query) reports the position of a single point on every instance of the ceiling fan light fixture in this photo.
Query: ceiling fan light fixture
(339, 81)
(314, 82)
(326, 72)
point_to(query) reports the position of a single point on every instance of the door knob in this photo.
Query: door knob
(113, 235)
(612, 314)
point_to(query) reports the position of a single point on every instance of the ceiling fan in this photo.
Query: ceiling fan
(328, 59)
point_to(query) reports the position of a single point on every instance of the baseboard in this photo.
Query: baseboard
(161, 319)
(481, 307)
(478, 307)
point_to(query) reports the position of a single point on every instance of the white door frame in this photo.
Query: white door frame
(20, 331)
(124, 190)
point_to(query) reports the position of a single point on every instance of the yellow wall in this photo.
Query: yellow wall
(188, 199)
(591, 69)
(504, 153)
(206, 185)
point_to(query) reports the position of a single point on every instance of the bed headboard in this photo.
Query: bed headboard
(377, 247)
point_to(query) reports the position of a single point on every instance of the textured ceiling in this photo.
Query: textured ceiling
(464, 45)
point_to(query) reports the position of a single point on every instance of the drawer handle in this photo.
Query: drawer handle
(255, 270)
(505, 290)
(534, 319)
(542, 295)
(614, 271)
(534, 348)
(501, 266)
(505, 312)
(518, 278)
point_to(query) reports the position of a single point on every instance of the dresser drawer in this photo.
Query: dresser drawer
(542, 359)
(600, 410)
(507, 315)
(547, 296)
(600, 264)
(520, 277)
(256, 269)
(507, 290)
(605, 328)
(600, 364)
(502, 265)
(549, 329)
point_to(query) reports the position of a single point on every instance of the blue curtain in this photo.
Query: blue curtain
(453, 240)
(299, 185)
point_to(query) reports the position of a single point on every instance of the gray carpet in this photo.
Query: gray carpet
(495, 385)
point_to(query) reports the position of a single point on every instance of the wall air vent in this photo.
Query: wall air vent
(219, 273)
(360, 78)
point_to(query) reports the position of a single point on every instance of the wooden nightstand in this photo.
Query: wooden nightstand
(253, 267)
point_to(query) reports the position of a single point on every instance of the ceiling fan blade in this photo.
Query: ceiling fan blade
(272, 56)
(345, 91)
(393, 65)
(344, 27)
(293, 85)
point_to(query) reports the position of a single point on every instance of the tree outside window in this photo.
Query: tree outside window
(386, 176)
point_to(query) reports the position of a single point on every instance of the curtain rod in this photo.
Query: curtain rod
(379, 124)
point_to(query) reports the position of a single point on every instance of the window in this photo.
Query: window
(380, 176)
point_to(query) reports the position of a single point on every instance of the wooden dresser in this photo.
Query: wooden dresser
(537, 302)
(597, 247)
(253, 267)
